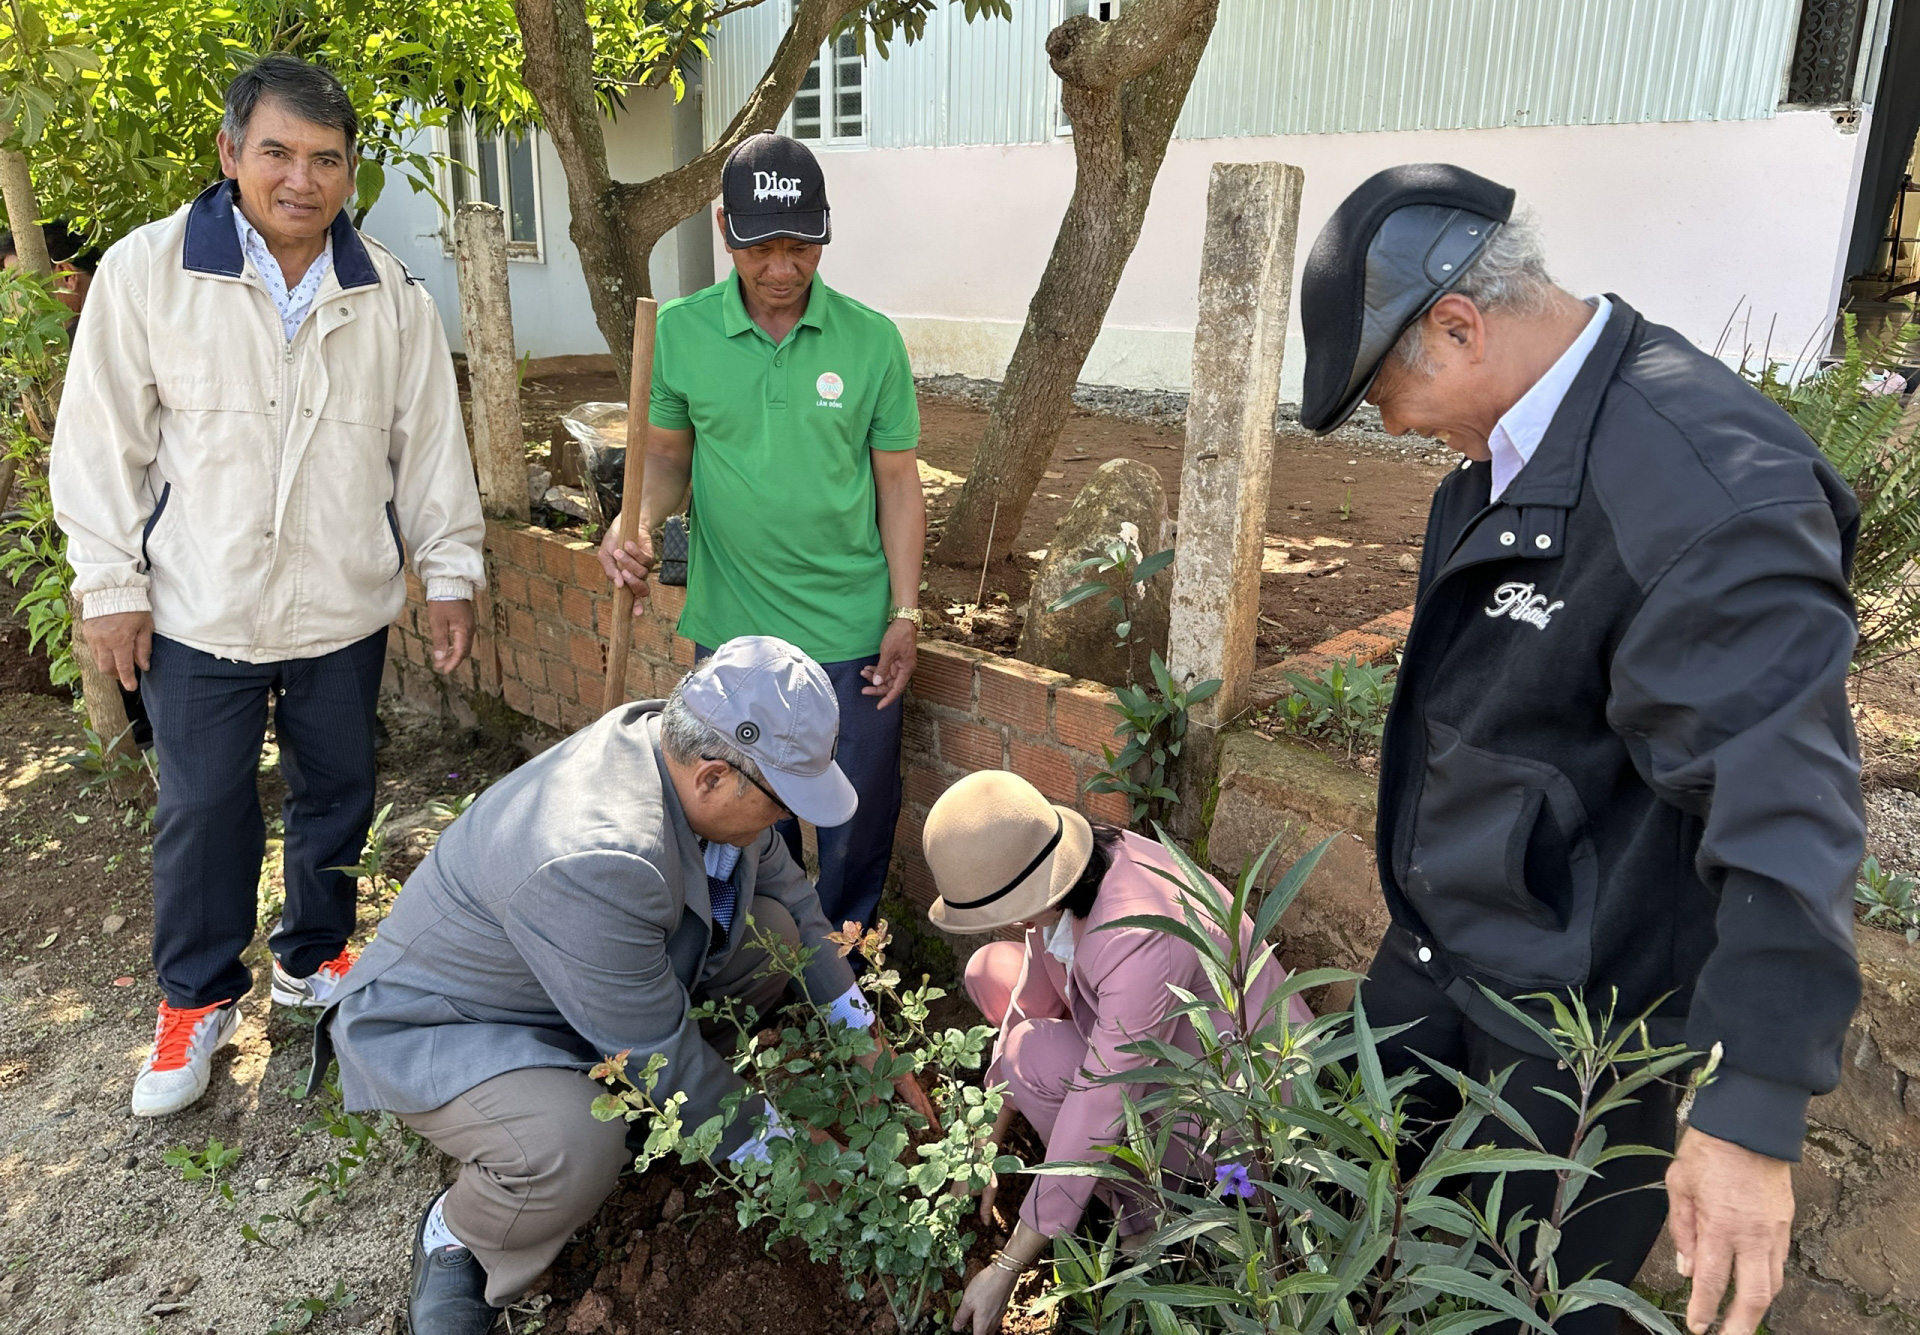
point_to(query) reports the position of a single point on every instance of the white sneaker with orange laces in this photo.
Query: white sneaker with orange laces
(181, 1063)
(315, 991)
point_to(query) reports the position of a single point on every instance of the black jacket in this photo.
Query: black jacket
(1620, 754)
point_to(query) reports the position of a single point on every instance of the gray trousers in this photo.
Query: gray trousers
(535, 1164)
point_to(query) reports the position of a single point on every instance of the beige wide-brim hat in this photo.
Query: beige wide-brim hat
(1001, 853)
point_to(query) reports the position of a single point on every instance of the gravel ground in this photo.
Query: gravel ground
(1893, 829)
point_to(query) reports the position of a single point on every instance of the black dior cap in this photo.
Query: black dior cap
(1396, 245)
(772, 187)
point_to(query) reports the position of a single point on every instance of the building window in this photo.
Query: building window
(499, 169)
(831, 106)
(1825, 50)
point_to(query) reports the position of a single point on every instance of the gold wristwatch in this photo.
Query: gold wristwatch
(913, 614)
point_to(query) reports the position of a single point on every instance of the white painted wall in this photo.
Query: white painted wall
(1688, 221)
(552, 315)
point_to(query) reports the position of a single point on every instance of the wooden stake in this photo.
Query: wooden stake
(640, 382)
(486, 320)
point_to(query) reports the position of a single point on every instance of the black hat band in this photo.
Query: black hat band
(1059, 828)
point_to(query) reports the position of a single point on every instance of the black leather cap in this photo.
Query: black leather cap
(1395, 246)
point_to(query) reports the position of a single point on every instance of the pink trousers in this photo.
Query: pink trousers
(1040, 1057)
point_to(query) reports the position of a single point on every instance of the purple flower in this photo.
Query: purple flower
(1232, 1180)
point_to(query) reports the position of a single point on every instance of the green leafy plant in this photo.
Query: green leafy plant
(301, 1313)
(358, 1141)
(206, 1166)
(33, 359)
(450, 810)
(1346, 704)
(876, 1187)
(1122, 556)
(1303, 1218)
(1890, 899)
(1153, 729)
(1860, 429)
(372, 865)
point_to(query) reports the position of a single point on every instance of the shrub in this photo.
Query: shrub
(1346, 704)
(33, 362)
(1890, 900)
(1306, 1222)
(885, 1194)
(1861, 430)
(1153, 728)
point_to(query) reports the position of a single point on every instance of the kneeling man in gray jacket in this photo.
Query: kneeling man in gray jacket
(579, 909)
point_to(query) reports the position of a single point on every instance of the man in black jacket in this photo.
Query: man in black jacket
(1620, 760)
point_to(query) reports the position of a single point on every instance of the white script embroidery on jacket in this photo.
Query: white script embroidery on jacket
(1520, 602)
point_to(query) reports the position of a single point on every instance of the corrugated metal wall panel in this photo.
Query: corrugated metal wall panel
(741, 50)
(984, 82)
(1328, 66)
(1331, 66)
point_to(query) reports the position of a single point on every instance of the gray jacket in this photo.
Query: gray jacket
(562, 919)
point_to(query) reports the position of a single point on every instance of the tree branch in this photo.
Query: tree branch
(1086, 52)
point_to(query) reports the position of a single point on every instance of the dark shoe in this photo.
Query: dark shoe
(449, 1290)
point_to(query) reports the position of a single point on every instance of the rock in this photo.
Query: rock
(1124, 497)
(675, 1206)
(570, 501)
(113, 923)
(1408, 562)
(538, 480)
(590, 1314)
(99, 1154)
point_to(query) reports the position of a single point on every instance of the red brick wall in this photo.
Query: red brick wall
(540, 649)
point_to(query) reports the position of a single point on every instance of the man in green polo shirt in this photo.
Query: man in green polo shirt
(790, 410)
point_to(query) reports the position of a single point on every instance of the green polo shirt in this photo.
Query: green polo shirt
(785, 536)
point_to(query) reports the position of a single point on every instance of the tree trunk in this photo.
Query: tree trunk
(1123, 85)
(616, 224)
(23, 213)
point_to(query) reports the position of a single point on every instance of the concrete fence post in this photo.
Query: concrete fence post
(1246, 286)
(486, 319)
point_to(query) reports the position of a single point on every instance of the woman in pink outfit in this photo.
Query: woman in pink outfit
(1071, 995)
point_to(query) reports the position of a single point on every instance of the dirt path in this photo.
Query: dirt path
(98, 1233)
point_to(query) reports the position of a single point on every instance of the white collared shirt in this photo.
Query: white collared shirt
(292, 305)
(1517, 435)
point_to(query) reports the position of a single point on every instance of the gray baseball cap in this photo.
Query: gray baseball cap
(777, 706)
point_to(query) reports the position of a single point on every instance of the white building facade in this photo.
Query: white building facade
(1702, 158)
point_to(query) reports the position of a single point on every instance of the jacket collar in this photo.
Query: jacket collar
(213, 245)
(1554, 475)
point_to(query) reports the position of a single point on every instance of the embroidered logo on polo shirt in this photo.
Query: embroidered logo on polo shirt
(830, 387)
(1519, 602)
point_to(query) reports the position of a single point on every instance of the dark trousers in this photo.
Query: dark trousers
(209, 720)
(854, 857)
(1613, 1237)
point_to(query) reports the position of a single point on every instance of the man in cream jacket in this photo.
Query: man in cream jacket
(259, 427)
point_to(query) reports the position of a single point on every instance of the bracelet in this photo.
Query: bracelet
(1002, 1261)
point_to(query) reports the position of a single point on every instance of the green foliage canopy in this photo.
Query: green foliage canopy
(116, 102)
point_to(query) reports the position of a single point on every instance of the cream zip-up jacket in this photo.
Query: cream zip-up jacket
(259, 495)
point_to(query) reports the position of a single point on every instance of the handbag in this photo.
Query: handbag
(674, 535)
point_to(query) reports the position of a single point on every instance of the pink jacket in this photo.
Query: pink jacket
(1116, 993)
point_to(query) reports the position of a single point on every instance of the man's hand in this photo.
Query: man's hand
(628, 566)
(899, 652)
(121, 643)
(1731, 1214)
(450, 622)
